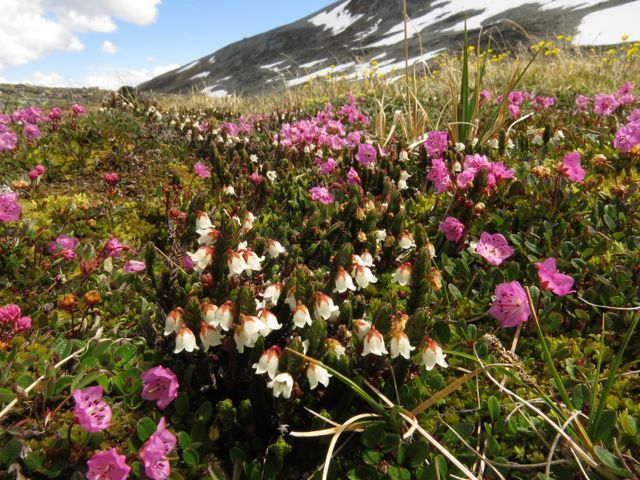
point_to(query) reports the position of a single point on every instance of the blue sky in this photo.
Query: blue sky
(66, 44)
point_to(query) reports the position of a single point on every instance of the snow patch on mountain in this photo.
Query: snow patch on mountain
(204, 74)
(337, 20)
(188, 67)
(624, 17)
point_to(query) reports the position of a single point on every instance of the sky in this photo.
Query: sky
(110, 43)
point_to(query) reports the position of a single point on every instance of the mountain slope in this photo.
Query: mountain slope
(345, 36)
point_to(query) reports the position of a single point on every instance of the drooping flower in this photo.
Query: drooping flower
(432, 355)
(301, 316)
(343, 281)
(366, 154)
(173, 322)
(275, 248)
(202, 257)
(209, 336)
(282, 384)
(324, 306)
(10, 209)
(268, 362)
(246, 334)
(251, 260)
(511, 306)
(361, 327)
(452, 228)
(272, 293)
(270, 321)
(571, 167)
(317, 374)
(225, 314)
(134, 266)
(373, 343)
(160, 385)
(402, 275)
(552, 280)
(400, 345)
(363, 275)
(90, 411)
(155, 451)
(335, 347)
(494, 248)
(406, 240)
(185, 340)
(108, 465)
(235, 262)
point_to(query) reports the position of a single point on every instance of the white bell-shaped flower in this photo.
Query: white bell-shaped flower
(268, 362)
(324, 306)
(246, 334)
(344, 281)
(224, 315)
(399, 345)
(272, 293)
(275, 248)
(174, 321)
(373, 343)
(282, 384)
(209, 336)
(363, 275)
(402, 275)
(301, 316)
(432, 355)
(317, 374)
(185, 340)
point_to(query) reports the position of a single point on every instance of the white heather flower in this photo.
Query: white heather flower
(185, 340)
(456, 167)
(253, 158)
(209, 314)
(406, 240)
(431, 249)
(335, 346)
(301, 315)
(247, 223)
(202, 257)
(537, 140)
(402, 275)
(270, 321)
(432, 355)
(373, 343)
(247, 332)
(305, 346)
(402, 182)
(363, 276)
(275, 248)
(272, 175)
(381, 236)
(203, 222)
(343, 281)
(272, 293)
(235, 262)
(174, 321)
(367, 258)
(208, 236)
(317, 374)
(282, 384)
(399, 345)
(459, 147)
(268, 362)
(324, 306)
(291, 298)
(403, 156)
(223, 316)
(494, 143)
(252, 261)
(229, 190)
(209, 336)
(361, 327)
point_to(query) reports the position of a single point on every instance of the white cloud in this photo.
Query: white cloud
(29, 29)
(48, 80)
(108, 47)
(114, 79)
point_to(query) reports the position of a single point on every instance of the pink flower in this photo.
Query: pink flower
(629, 135)
(201, 171)
(10, 209)
(484, 95)
(55, 114)
(322, 195)
(153, 453)
(545, 102)
(256, 178)
(10, 315)
(160, 384)
(571, 168)
(605, 104)
(114, 247)
(22, 324)
(8, 140)
(328, 167)
(91, 412)
(36, 172)
(436, 144)
(108, 465)
(465, 178)
(552, 280)
(515, 97)
(111, 178)
(494, 248)
(63, 245)
(31, 132)
(514, 110)
(452, 228)
(582, 103)
(352, 177)
(78, 109)
(439, 175)
(511, 306)
(134, 266)
(366, 154)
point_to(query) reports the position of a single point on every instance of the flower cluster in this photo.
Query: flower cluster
(12, 322)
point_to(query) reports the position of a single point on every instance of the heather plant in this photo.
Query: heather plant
(199, 293)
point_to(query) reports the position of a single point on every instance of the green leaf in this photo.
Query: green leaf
(398, 473)
(182, 403)
(494, 407)
(145, 428)
(6, 395)
(204, 412)
(373, 436)
(184, 440)
(10, 451)
(124, 353)
(190, 456)
(606, 425)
